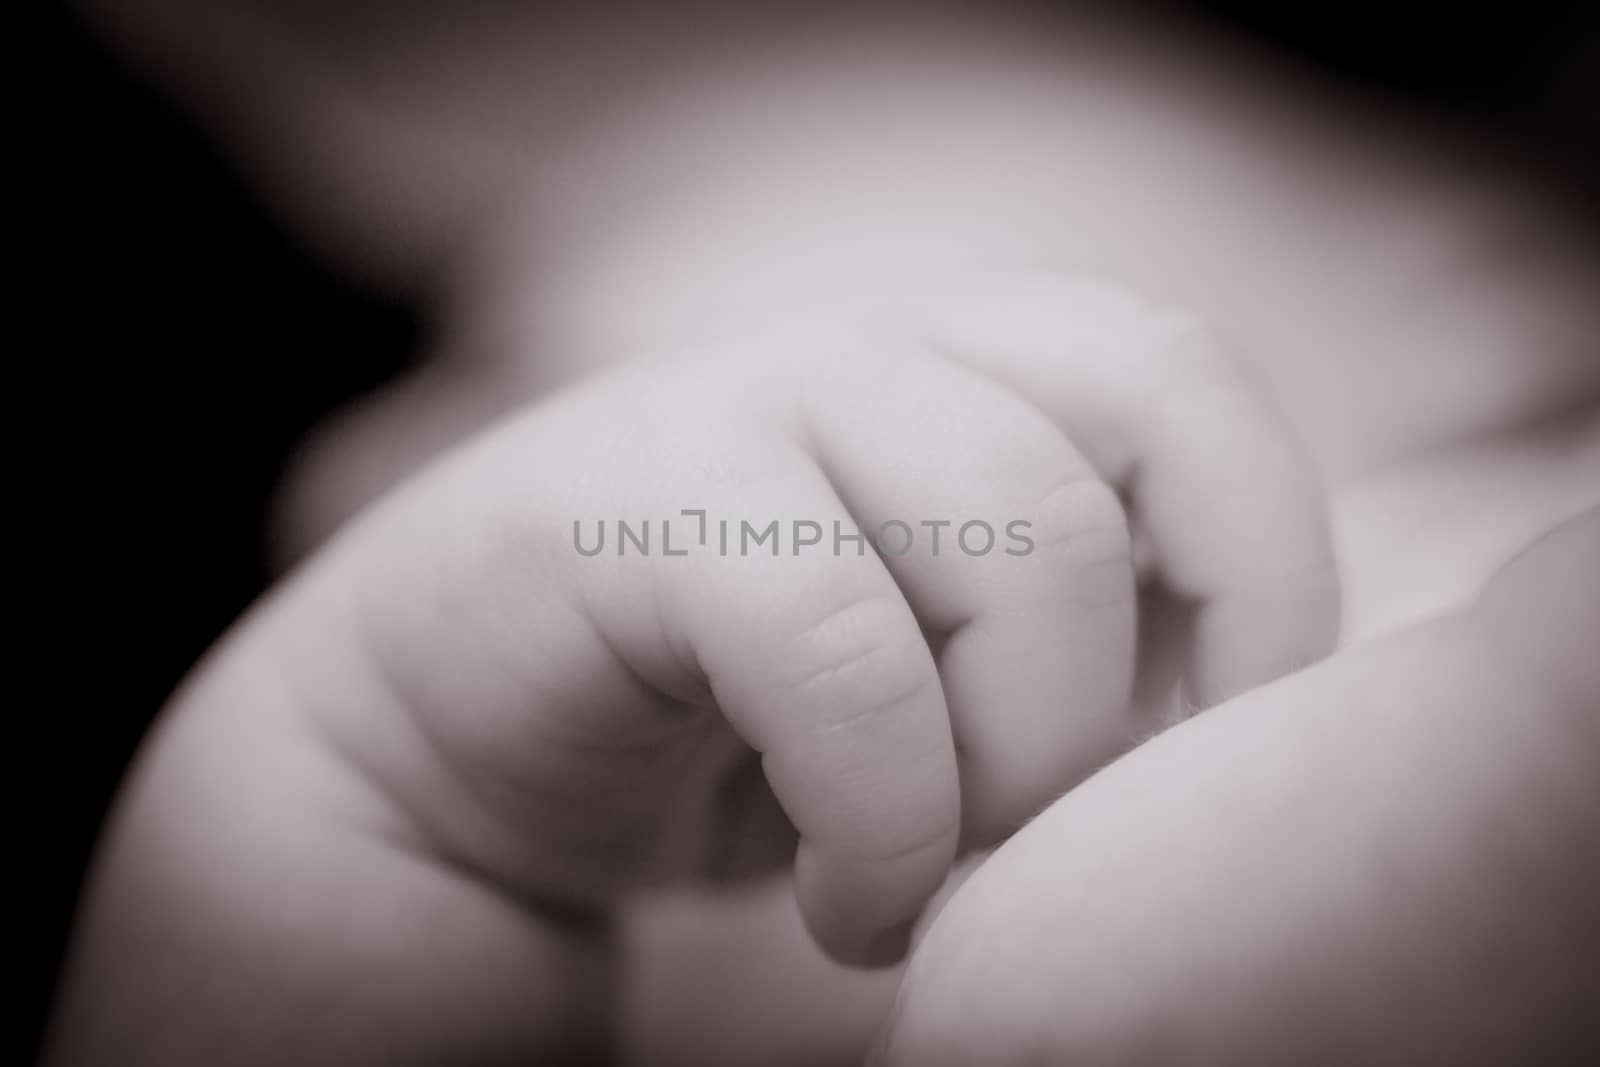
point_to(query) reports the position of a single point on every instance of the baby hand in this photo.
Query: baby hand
(892, 563)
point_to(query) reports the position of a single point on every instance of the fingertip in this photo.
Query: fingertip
(863, 913)
(1250, 637)
(890, 946)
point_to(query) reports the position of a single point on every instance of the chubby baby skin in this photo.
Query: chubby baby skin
(387, 819)
(1384, 859)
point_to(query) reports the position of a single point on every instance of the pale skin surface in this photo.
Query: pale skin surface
(1418, 815)
(455, 689)
(1364, 273)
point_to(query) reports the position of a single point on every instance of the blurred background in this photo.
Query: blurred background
(186, 339)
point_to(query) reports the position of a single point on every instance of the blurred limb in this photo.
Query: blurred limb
(376, 172)
(568, 188)
(391, 136)
(605, 189)
(1389, 858)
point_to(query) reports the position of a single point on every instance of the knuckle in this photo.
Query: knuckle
(936, 837)
(1085, 518)
(1084, 538)
(1187, 358)
(870, 650)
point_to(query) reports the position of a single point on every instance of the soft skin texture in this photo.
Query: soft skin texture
(1390, 858)
(426, 767)
(731, 978)
(592, 184)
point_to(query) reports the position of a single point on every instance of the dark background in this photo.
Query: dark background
(171, 344)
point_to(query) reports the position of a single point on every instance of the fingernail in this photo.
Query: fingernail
(889, 947)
